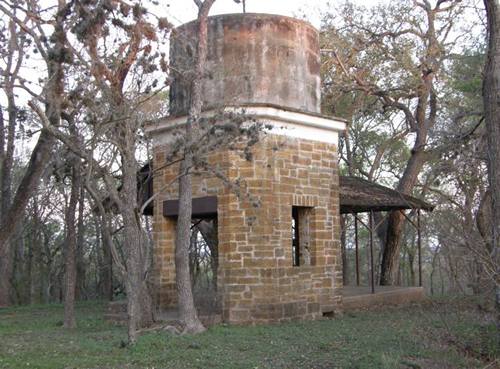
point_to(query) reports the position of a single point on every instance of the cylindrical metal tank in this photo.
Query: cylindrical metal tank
(252, 59)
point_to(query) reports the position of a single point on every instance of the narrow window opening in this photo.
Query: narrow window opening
(295, 237)
(301, 235)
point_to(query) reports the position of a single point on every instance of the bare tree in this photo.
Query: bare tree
(14, 54)
(52, 49)
(111, 115)
(366, 52)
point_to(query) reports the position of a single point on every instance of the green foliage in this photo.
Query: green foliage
(379, 59)
(414, 337)
(466, 72)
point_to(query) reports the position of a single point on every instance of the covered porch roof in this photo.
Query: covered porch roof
(358, 195)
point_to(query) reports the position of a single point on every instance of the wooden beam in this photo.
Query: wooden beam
(203, 207)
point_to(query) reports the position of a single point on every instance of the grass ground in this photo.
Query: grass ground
(440, 334)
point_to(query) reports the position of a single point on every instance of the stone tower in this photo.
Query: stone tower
(281, 260)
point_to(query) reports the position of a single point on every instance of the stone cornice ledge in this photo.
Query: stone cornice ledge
(293, 123)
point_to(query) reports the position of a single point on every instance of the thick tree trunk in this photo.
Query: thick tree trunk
(395, 223)
(6, 255)
(139, 302)
(7, 144)
(491, 95)
(48, 277)
(187, 310)
(422, 120)
(70, 255)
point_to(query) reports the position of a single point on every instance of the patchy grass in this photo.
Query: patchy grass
(440, 334)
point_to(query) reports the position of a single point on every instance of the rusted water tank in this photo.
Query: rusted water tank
(252, 59)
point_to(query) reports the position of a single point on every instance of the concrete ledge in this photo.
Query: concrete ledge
(278, 120)
(397, 296)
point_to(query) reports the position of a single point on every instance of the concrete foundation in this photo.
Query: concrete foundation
(356, 298)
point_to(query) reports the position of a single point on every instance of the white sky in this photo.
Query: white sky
(181, 11)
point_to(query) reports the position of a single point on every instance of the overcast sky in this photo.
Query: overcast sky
(181, 11)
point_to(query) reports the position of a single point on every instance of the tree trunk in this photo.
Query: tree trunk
(47, 273)
(484, 219)
(80, 262)
(491, 95)
(105, 263)
(411, 269)
(422, 120)
(6, 262)
(20, 268)
(367, 263)
(36, 261)
(7, 144)
(395, 223)
(70, 255)
(187, 310)
(139, 302)
(107, 268)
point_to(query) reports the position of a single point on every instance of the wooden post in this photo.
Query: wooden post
(356, 241)
(419, 244)
(371, 252)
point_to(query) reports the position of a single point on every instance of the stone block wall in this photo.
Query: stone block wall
(257, 280)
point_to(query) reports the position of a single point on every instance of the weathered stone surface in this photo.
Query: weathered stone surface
(252, 58)
(256, 278)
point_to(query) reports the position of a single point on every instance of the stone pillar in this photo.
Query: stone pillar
(163, 273)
